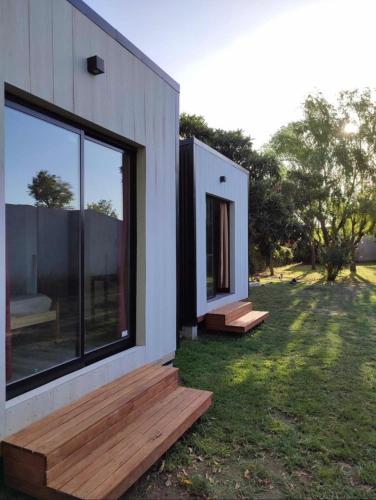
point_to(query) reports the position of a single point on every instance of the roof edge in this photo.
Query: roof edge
(194, 141)
(122, 40)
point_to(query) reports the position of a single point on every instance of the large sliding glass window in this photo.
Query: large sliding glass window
(67, 248)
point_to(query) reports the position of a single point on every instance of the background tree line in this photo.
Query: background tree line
(312, 190)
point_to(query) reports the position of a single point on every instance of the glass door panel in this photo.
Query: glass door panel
(105, 245)
(42, 172)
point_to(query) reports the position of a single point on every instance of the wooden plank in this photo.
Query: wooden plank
(109, 404)
(41, 56)
(79, 455)
(72, 479)
(249, 318)
(133, 439)
(155, 443)
(157, 452)
(30, 433)
(21, 464)
(88, 430)
(125, 391)
(229, 312)
(246, 323)
(33, 490)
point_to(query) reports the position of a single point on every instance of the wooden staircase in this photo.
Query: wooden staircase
(98, 446)
(237, 317)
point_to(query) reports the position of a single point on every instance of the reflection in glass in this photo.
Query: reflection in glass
(105, 245)
(42, 164)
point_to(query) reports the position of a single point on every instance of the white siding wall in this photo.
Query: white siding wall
(209, 166)
(43, 49)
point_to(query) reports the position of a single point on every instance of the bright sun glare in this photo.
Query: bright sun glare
(351, 128)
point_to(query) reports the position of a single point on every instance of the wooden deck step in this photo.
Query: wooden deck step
(247, 322)
(219, 317)
(237, 317)
(98, 446)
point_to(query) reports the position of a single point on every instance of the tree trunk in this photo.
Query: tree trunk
(331, 272)
(271, 265)
(313, 256)
(353, 261)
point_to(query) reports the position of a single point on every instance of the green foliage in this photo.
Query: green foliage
(335, 257)
(272, 221)
(233, 144)
(50, 191)
(195, 126)
(331, 174)
(199, 486)
(367, 474)
(103, 207)
(283, 256)
(257, 262)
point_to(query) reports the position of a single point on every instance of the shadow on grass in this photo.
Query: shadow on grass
(300, 387)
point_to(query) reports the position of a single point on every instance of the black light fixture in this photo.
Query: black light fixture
(95, 65)
(222, 178)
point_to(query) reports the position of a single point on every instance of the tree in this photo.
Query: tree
(103, 207)
(195, 126)
(50, 190)
(271, 217)
(271, 221)
(234, 144)
(330, 155)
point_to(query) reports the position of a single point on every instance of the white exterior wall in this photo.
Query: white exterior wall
(44, 45)
(208, 167)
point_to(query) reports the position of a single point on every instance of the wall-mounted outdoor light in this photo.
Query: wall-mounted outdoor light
(222, 178)
(95, 65)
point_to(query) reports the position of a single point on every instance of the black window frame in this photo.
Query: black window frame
(26, 384)
(216, 200)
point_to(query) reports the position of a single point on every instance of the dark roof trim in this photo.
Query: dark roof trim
(116, 35)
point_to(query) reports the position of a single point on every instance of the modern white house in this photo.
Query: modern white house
(88, 254)
(214, 242)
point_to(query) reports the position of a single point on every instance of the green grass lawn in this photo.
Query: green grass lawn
(295, 401)
(294, 411)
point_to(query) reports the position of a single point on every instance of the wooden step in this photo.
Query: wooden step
(114, 425)
(247, 322)
(113, 468)
(63, 432)
(219, 317)
(237, 317)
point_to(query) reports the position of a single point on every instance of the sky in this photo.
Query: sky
(250, 63)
